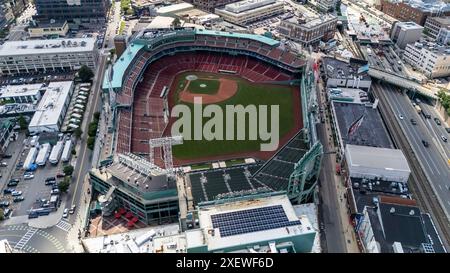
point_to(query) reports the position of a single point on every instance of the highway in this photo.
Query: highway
(432, 158)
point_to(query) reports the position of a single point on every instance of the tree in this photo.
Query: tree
(78, 132)
(63, 186)
(2, 216)
(85, 73)
(91, 143)
(97, 116)
(68, 170)
(92, 130)
(22, 122)
(74, 152)
(176, 23)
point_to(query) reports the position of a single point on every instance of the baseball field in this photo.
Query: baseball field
(223, 90)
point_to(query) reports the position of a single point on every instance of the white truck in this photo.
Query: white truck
(56, 152)
(31, 157)
(67, 151)
(43, 154)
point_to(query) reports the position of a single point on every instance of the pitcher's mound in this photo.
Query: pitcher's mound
(191, 77)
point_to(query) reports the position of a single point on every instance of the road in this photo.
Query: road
(434, 163)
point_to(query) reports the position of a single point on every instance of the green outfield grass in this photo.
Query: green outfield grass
(248, 94)
(211, 88)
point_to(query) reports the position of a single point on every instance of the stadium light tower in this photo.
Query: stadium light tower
(166, 143)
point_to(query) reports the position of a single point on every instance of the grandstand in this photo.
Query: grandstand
(138, 86)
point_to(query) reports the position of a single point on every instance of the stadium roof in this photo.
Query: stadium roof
(120, 66)
(52, 46)
(127, 57)
(259, 38)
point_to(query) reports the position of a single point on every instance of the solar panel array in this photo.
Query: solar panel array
(251, 220)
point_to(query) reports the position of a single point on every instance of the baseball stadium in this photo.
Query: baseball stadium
(162, 68)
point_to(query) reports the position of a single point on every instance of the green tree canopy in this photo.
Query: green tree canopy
(68, 170)
(85, 73)
(63, 186)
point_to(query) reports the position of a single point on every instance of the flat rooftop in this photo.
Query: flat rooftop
(20, 90)
(51, 105)
(348, 94)
(51, 46)
(410, 25)
(375, 157)
(128, 242)
(335, 68)
(371, 132)
(174, 8)
(311, 22)
(437, 49)
(444, 21)
(235, 223)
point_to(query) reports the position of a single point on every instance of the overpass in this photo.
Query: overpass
(402, 81)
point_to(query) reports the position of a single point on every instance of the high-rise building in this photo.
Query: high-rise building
(74, 11)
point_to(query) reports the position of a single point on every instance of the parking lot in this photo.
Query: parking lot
(32, 189)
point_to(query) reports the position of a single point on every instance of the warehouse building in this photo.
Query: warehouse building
(248, 11)
(47, 55)
(52, 108)
(373, 162)
(25, 93)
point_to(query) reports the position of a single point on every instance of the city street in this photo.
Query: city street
(431, 158)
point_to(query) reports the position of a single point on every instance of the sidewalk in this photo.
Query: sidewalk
(78, 226)
(350, 236)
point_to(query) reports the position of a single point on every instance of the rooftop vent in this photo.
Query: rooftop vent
(411, 212)
(392, 210)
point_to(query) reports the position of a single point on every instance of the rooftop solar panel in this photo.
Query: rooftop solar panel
(251, 220)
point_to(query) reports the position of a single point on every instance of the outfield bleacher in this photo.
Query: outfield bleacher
(208, 184)
(275, 173)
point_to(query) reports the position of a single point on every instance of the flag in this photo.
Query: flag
(355, 125)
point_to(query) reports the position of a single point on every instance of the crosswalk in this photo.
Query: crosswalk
(64, 225)
(24, 240)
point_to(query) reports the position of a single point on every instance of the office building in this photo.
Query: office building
(18, 57)
(25, 93)
(247, 11)
(403, 33)
(432, 59)
(309, 31)
(74, 11)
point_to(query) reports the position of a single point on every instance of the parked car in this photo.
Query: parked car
(13, 183)
(4, 204)
(65, 213)
(52, 178)
(28, 176)
(54, 191)
(413, 122)
(60, 175)
(438, 122)
(444, 138)
(7, 212)
(3, 164)
(8, 190)
(7, 156)
(425, 143)
(16, 193)
(72, 209)
(18, 199)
